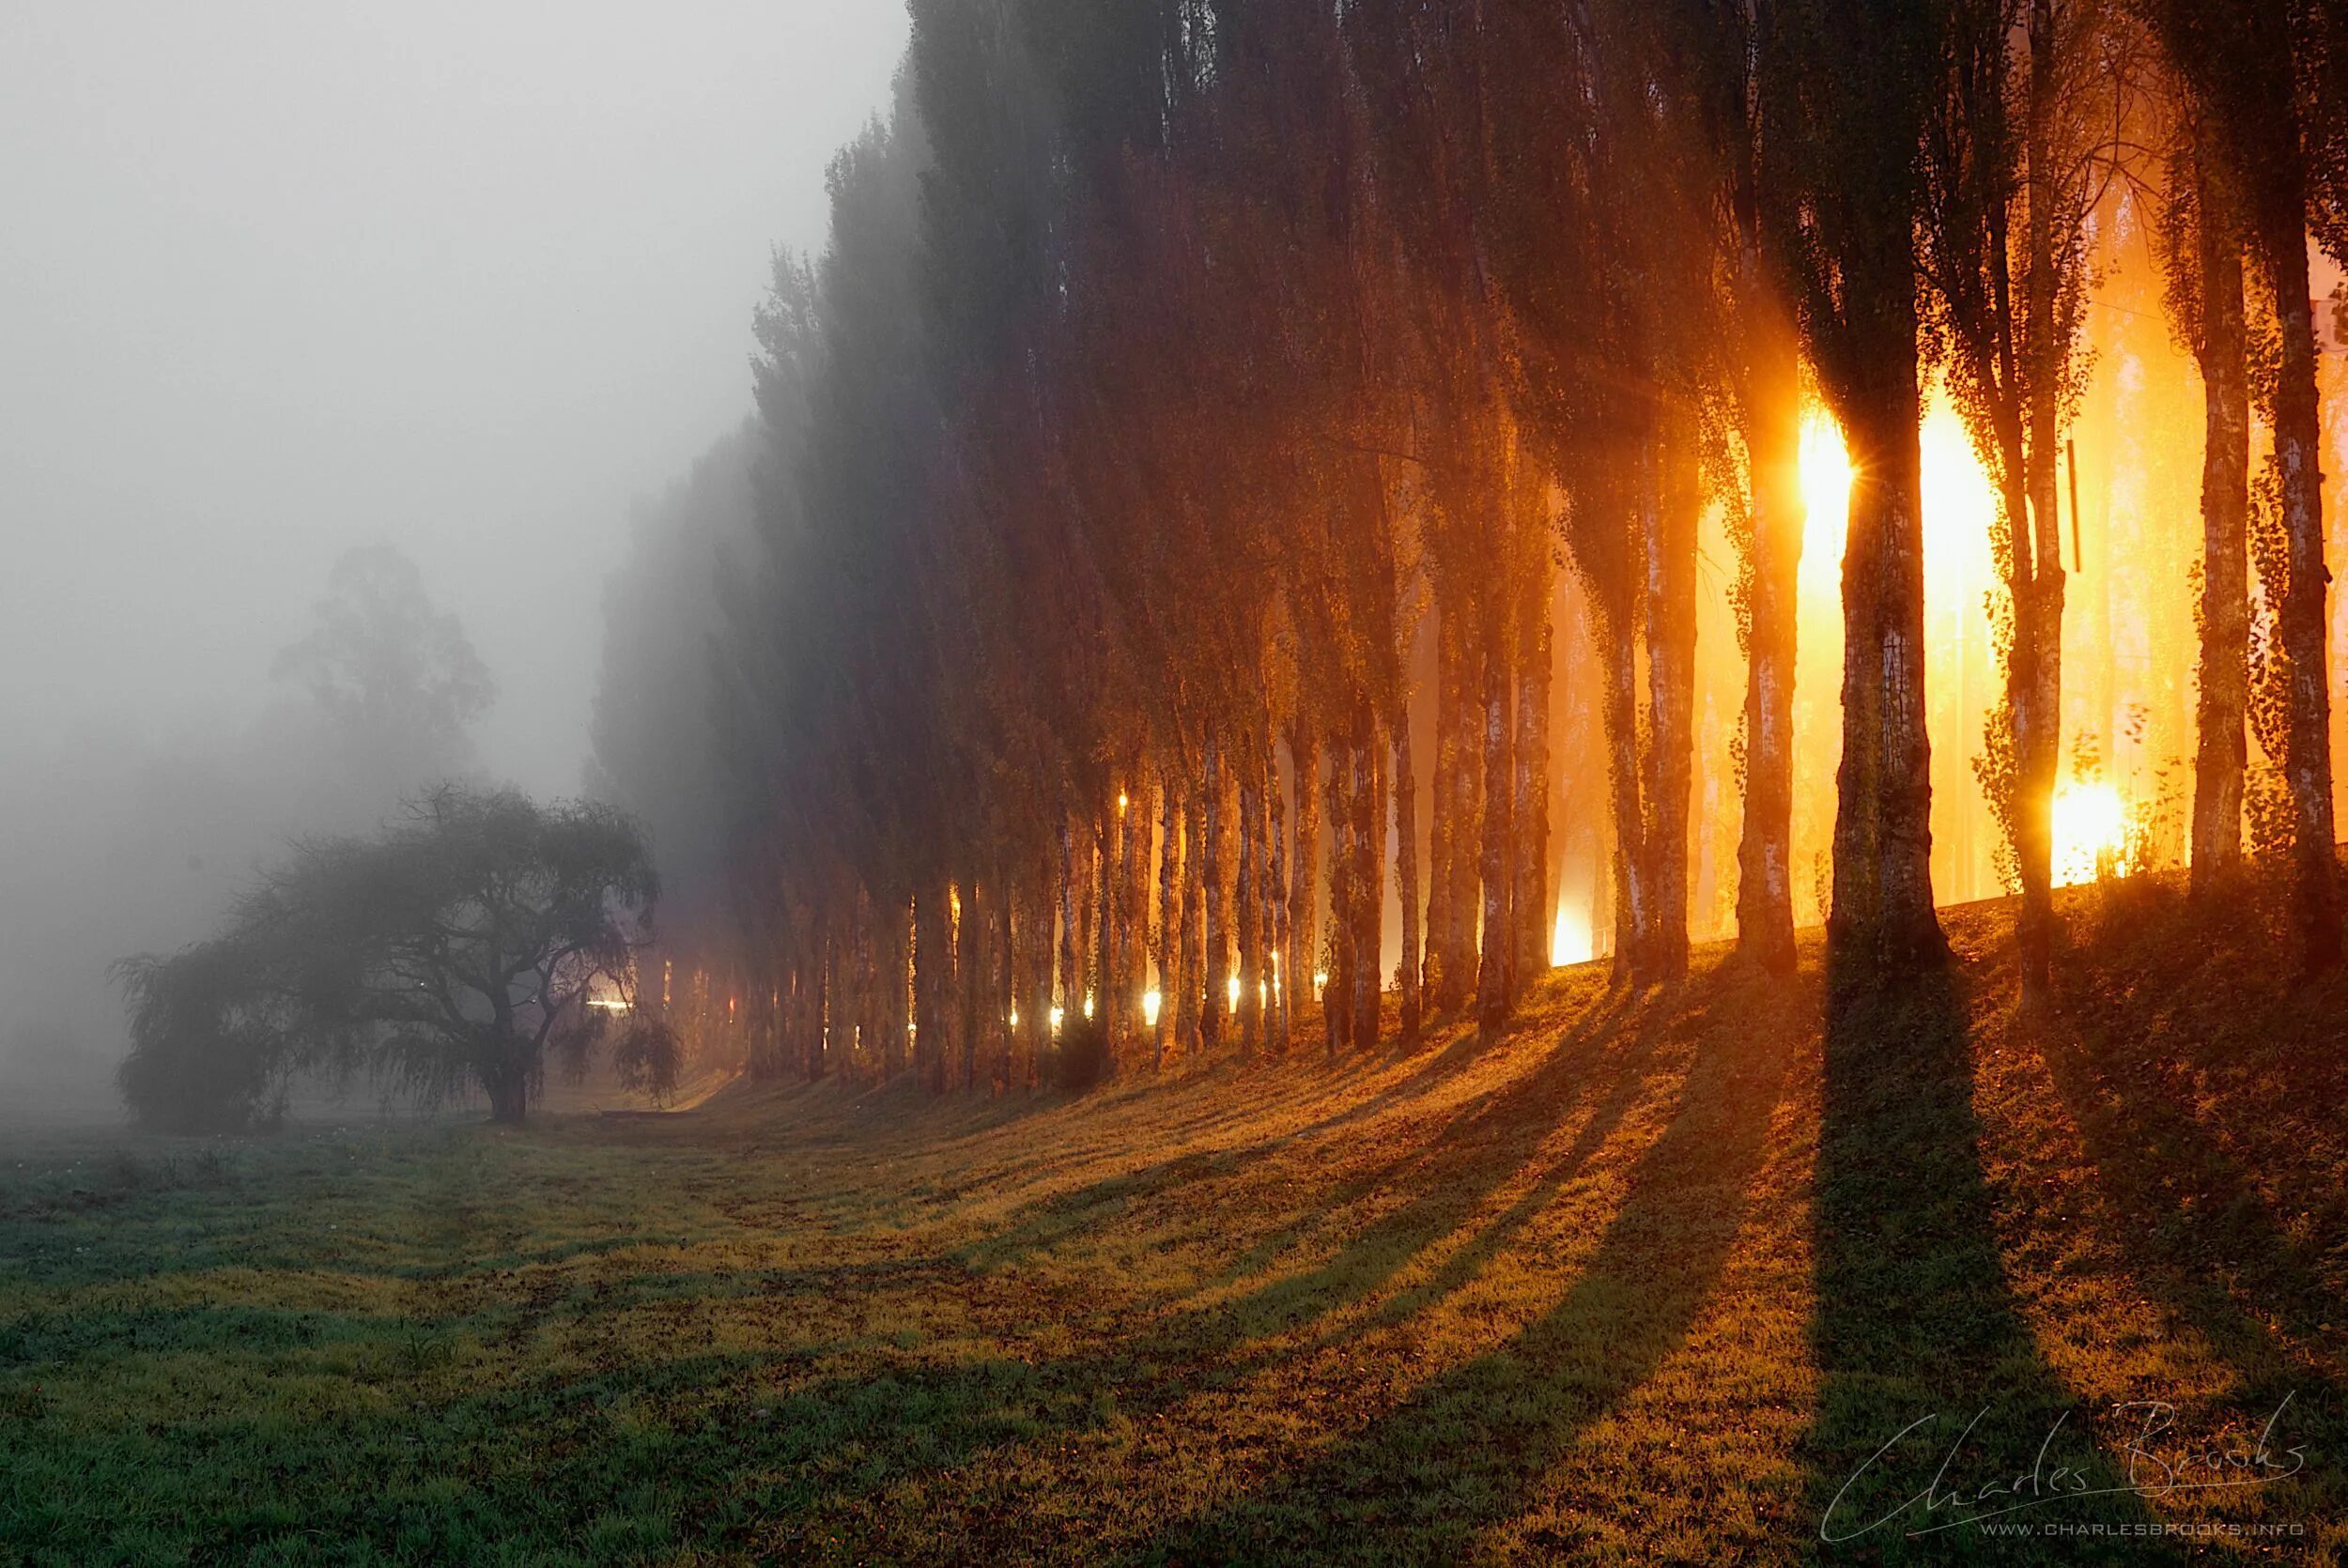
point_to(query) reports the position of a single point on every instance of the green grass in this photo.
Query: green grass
(1650, 1280)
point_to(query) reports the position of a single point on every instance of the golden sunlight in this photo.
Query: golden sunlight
(1570, 939)
(2091, 833)
(1825, 481)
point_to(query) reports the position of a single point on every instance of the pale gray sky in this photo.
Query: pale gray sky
(278, 277)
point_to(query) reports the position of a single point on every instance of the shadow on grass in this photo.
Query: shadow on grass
(1939, 1426)
(2196, 1138)
(1447, 1176)
(1469, 1448)
(2200, 1234)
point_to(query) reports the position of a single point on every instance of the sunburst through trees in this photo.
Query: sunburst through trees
(1287, 519)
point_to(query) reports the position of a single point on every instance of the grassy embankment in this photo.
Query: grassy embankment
(1648, 1282)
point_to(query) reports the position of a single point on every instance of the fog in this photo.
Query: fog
(280, 281)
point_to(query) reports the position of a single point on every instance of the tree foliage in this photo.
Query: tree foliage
(458, 949)
(1194, 401)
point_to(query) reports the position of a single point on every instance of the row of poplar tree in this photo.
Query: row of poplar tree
(1176, 368)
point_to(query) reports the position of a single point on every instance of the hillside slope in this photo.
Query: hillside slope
(1657, 1279)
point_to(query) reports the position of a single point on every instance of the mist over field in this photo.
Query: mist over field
(282, 282)
(1205, 781)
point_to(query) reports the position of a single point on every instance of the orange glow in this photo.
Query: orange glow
(1825, 481)
(2091, 834)
(1570, 939)
(1962, 680)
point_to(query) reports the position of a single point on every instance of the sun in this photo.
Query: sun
(1569, 940)
(2091, 833)
(1825, 485)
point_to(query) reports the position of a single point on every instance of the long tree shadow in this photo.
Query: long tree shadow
(1480, 1143)
(1469, 1448)
(1219, 1342)
(1939, 1426)
(2196, 1229)
(2178, 1125)
(1489, 1142)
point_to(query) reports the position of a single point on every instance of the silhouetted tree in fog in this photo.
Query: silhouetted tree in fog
(452, 951)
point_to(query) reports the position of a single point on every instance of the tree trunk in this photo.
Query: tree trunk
(1764, 884)
(1494, 984)
(1214, 872)
(1042, 1040)
(1250, 909)
(1618, 713)
(1882, 921)
(1466, 791)
(827, 998)
(818, 1001)
(1406, 977)
(1101, 974)
(1190, 1029)
(1370, 882)
(2221, 755)
(2036, 689)
(1304, 944)
(1134, 972)
(896, 966)
(1067, 980)
(970, 989)
(1169, 919)
(1671, 505)
(1110, 962)
(2301, 619)
(508, 1084)
(1276, 896)
(864, 969)
(1091, 916)
(1337, 1001)
(1012, 919)
(1529, 900)
(1442, 837)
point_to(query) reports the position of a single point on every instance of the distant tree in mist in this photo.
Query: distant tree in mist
(453, 951)
(393, 672)
(135, 843)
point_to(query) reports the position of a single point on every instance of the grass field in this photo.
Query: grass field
(1661, 1279)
